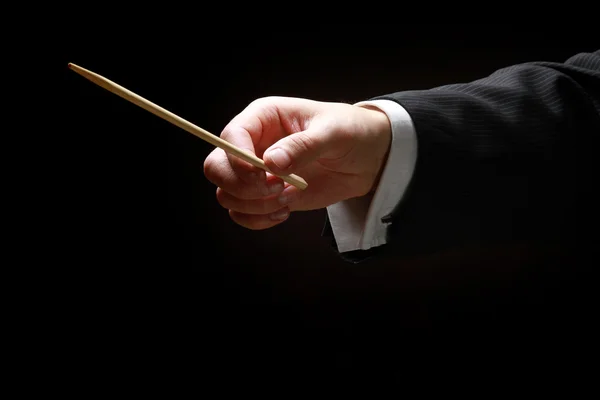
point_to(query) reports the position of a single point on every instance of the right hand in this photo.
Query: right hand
(338, 148)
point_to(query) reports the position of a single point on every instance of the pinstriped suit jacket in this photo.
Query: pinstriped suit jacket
(505, 158)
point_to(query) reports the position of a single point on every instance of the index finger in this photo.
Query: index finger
(243, 131)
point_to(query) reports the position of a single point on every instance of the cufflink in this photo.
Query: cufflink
(387, 219)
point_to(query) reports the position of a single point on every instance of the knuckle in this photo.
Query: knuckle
(262, 102)
(210, 167)
(264, 109)
(258, 103)
(222, 198)
(214, 167)
(209, 161)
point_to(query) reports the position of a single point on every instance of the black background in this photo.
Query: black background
(153, 262)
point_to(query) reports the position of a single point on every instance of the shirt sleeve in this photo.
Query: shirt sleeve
(360, 223)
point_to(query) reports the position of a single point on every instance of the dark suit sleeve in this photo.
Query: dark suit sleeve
(502, 158)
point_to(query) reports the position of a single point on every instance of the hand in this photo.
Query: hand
(339, 149)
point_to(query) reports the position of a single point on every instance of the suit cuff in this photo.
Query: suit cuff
(361, 223)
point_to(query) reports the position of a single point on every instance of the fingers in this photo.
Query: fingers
(240, 136)
(258, 222)
(262, 206)
(254, 198)
(219, 171)
(259, 214)
(245, 131)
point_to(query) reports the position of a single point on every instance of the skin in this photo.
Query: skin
(338, 148)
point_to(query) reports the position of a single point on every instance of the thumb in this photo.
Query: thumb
(294, 151)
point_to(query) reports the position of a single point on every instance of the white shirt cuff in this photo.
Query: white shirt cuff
(357, 223)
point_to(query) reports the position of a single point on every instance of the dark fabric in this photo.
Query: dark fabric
(504, 159)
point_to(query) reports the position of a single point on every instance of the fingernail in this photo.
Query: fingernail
(280, 215)
(280, 158)
(267, 190)
(287, 196)
(276, 188)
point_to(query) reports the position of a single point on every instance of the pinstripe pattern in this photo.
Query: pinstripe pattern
(501, 157)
